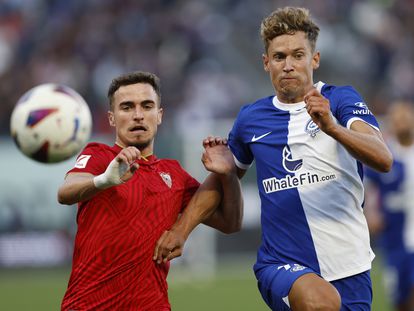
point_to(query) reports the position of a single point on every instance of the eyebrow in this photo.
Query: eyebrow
(130, 102)
(283, 52)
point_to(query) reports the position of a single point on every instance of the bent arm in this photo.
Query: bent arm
(218, 204)
(365, 144)
(77, 187)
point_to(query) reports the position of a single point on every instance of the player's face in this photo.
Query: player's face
(290, 62)
(136, 116)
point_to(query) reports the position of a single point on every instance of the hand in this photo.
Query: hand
(170, 245)
(217, 157)
(319, 109)
(120, 170)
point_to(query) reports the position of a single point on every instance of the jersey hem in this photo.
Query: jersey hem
(349, 273)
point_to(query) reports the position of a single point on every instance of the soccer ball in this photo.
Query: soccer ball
(51, 123)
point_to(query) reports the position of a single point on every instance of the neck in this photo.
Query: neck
(292, 97)
(146, 150)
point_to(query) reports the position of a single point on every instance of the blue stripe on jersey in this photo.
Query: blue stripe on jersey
(263, 129)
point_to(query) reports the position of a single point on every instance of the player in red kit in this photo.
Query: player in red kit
(127, 198)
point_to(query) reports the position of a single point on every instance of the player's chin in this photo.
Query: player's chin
(141, 143)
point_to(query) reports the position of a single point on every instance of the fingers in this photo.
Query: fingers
(129, 155)
(212, 141)
(167, 247)
(134, 167)
(174, 254)
(158, 245)
(312, 93)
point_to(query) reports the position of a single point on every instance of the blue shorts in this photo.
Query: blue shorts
(275, 282)
(399, 275)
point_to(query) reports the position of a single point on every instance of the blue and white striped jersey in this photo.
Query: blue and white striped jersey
(310, 186)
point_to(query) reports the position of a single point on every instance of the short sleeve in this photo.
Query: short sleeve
(93, 159)
(241, 151)
(351, 107)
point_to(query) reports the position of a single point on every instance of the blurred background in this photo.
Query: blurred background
(208, 56)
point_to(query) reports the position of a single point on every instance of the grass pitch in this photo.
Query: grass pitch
(232, 288)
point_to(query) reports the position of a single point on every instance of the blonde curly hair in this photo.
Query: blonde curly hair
(288, 20)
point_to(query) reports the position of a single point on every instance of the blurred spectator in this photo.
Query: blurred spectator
(389, 208)
(82, 43)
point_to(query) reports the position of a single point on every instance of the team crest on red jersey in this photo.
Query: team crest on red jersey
(166, 178)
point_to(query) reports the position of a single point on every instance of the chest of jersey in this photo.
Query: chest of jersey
(289, 143)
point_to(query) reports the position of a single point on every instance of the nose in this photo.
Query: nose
(288, 66)
(138, 113)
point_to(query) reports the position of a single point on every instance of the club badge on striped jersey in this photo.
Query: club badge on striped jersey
(311, 128)
(166, 178)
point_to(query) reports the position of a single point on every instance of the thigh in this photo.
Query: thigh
(355, 291)
(311, 292)
(275, 282)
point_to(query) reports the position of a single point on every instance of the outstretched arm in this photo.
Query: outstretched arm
(79, 187)
(218, 202)
(362, 141)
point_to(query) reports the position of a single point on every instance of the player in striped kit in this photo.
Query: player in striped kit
(127, 198)
(391, 217)
(308, 141)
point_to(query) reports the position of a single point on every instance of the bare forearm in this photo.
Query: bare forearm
(229, 215)
(217, 203)
(77, 190)
(367, 147)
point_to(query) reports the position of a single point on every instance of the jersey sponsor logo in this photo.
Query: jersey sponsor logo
(254, 138)
(286, 267)
(82, 161)
(364, 110)
(361, 112)
(296, 267)
(361, 105)
(311, 128)
(290, 164)
(166, 177)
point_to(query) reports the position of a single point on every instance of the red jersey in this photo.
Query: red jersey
(112, 265)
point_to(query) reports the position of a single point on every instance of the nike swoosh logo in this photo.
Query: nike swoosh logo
(254, 138)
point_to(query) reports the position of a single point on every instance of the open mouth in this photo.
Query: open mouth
(138, 129)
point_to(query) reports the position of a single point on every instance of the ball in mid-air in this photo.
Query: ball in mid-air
(51, 123)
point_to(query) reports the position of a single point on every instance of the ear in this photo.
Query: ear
(111, 118)
(316, 60)
(159, 116)
(265, 59)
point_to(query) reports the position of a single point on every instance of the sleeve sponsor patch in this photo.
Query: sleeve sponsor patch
(82, 161)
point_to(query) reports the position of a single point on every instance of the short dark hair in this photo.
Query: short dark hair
(288, 20)
(133, 78)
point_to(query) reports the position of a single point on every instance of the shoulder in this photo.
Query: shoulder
(338, 91)
(342, 95)
(99, 150)
(255, 107)
(94, 146)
